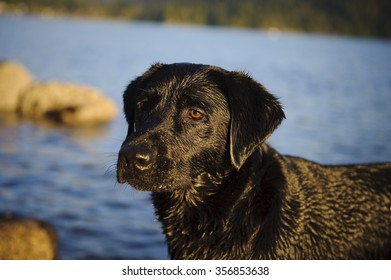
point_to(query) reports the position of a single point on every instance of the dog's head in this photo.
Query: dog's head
(192, 125)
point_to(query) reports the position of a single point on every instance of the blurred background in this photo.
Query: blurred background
(327, 61)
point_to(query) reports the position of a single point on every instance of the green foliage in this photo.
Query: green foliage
(353, 17)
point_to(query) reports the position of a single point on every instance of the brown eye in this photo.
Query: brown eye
(142, 105)
(195, 115)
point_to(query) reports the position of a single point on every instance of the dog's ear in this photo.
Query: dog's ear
(133, 90)
(255, 114)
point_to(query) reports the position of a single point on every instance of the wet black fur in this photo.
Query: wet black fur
(221, 193)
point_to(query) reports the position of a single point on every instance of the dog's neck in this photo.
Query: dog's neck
(187, 214)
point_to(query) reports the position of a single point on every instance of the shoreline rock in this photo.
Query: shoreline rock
(66, 103)
(62, 103)
(27, 239)
(14, 78)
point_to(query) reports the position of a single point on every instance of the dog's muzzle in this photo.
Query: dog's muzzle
(133, 159)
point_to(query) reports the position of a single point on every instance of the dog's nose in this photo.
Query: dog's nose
(140, 157)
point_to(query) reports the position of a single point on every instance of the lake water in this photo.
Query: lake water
(336, 93)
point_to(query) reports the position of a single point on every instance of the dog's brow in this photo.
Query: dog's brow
(197, 89)
(208, 96)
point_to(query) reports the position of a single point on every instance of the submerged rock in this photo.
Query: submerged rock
(66, 103)
(27, 239)
(13, 79)
(63, 103)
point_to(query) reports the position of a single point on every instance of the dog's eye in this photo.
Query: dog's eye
(195, 115)
(143, 104)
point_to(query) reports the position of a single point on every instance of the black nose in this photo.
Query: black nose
(139, 157)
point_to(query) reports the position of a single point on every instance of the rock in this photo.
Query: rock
(13, 79)
(63, 103)
(66, 103)
(27, 239)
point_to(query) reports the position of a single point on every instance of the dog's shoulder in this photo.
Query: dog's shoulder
(332, 203)
(339, 185)
(346, 174)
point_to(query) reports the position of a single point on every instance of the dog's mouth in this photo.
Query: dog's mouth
(155, 180)
(145, 185)
(146, 170)
(137, 166)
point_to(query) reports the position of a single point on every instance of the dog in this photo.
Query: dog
(196, 140)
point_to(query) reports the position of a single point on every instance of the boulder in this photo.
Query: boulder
(63, 103)
(27, 239)
(13, 79)
(66, 103)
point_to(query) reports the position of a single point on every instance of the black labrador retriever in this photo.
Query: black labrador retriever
(196, 140)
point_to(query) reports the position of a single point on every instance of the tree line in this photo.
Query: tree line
(349, 17)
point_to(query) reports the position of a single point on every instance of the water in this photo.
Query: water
(336, 93)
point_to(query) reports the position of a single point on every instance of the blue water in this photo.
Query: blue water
(336, 93)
